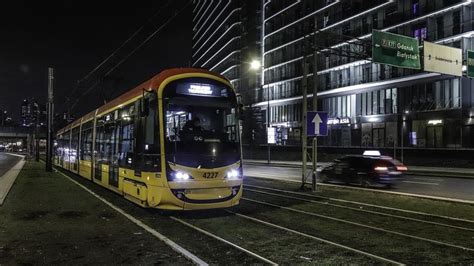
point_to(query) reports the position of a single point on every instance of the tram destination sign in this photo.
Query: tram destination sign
(396, 50)
(470, 63)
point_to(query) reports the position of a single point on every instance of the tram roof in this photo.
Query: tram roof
(154, 82)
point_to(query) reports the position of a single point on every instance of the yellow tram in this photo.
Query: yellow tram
(171, 143)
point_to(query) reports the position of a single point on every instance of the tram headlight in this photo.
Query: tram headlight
(181, 176)
(233, 174)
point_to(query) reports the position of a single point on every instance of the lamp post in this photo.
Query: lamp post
(256, 66)
(402, 131)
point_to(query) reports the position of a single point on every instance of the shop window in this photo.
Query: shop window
(455, 93)
(364, 103)
(394, 101)
(369, 103)
(382, 102)
(374, 102)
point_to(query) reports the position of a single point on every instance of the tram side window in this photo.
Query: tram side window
(58, 147)
(74, 144)
(86, 142)
(106, 138)
(126, 139)
(99, 142)
(66, 146)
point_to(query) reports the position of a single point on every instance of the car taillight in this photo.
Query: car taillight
(401, 168)
(381, 169)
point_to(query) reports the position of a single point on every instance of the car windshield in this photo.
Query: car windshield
(201, 131)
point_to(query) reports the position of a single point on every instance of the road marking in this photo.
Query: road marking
(225, 241)
(152, 231)
(375, 190)
(360, 210)
(317, 238)
(421, 183)
(361, 225)
(426, 178)
(366, 204)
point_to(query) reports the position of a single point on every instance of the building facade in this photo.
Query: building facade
(369, 104)
(32, 113)
(226, 37)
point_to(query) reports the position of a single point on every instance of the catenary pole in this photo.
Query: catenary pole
(49, 144)
(304, 134)
(315, 108)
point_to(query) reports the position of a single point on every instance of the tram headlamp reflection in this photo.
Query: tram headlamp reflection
(232, 174)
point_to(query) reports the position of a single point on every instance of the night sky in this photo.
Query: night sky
(74, 37)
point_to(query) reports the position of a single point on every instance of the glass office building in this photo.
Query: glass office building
(369, 104)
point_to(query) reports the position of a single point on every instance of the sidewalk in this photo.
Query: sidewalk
(47, 219)
(418, 170)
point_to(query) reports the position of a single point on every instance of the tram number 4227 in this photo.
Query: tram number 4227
(209, 175)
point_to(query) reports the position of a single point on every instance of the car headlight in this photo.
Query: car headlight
(232, 174)
(181, 176)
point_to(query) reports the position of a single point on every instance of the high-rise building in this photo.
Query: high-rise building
(226, 36)
(369, 104)
(32, 113)
(25, 113)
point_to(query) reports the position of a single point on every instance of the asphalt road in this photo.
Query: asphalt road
(449, 187)
(7, 161)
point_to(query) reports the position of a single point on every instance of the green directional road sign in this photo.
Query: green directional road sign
(470, 63)
(395, 50)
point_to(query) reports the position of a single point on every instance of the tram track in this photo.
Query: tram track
(364, 210)
(250, 253)
(397, 248)
(360, 252)
(360, 225)
(193, 254)
(201, 260)
(210, 226)
(358, 203)
(186, 253)
(97, 191)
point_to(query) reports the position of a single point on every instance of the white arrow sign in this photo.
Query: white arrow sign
(316, 121)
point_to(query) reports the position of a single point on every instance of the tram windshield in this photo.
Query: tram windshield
(201, 124)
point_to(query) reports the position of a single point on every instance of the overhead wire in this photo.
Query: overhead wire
(131, 53)
(116, 51)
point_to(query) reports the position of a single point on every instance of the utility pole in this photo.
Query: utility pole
(268, 123)
(401, 136)
(305, 110)
(315, 108)
(49, 143)
(37, 153)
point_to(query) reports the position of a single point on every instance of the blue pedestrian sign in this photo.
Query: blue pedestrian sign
(317, 123)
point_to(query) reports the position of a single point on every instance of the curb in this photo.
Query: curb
(441, 174)
(8, 179)
(413, 195)
(415, 172)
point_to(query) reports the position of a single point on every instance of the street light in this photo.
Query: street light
(256, 66)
